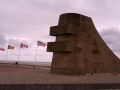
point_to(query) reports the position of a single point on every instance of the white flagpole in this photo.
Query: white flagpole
(6, 56)
(35, 56)
(18, 56)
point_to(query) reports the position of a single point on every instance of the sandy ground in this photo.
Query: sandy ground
(28, 75)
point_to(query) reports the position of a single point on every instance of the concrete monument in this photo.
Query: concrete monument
(79, 49)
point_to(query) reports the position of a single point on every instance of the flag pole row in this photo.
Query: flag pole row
(39, 43)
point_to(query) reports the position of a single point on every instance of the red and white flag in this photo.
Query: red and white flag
(2, 49)
(23, 45)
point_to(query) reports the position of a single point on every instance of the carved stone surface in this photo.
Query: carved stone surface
(79, 49)
(65, 29)
(60, 46)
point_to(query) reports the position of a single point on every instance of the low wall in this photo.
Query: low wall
(111, 86)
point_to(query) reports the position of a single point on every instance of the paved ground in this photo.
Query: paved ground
(28, 75)
(11, 68)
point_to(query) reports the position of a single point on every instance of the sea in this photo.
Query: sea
(37, 63)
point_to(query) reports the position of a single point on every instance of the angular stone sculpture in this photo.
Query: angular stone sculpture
(79, 49)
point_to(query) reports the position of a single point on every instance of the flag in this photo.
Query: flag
(23, 45)
(2, 49)
(10, 47)
(41, 44)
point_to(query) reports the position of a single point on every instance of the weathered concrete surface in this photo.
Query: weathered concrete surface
(79, 49)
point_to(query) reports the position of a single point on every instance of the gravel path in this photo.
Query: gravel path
(23, 75)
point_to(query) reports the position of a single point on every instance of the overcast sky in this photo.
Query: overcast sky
(29, 20)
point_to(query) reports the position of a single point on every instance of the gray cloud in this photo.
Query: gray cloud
(28, 18)
(2, 39)
(112, 37)
(17, 42)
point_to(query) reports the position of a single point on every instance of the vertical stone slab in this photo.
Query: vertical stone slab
(78, 48)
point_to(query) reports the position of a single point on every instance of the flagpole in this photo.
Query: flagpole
(6, 56)
(35, 57)
(18, 56)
